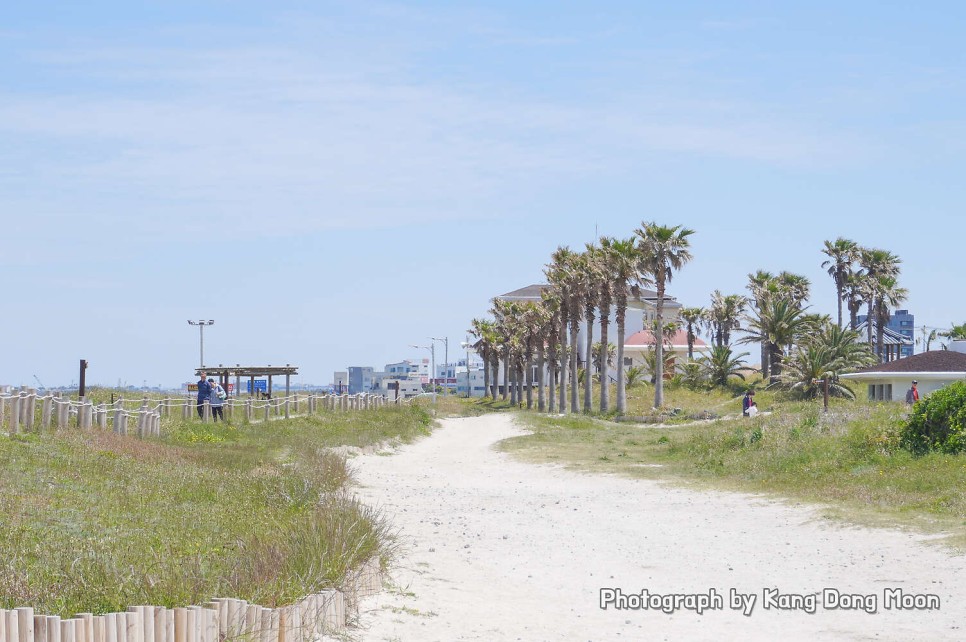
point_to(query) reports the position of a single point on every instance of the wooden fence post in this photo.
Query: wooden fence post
(31, 408)
(15, 414)
(248, 409)
(45, 409)
(286, 408)
(207, 411)
(268, 408)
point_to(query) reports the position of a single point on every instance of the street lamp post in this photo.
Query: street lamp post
(432, 379)
(468, 345)
(201, 323)
(445, 341)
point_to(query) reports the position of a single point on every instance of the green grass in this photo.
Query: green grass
(97, 522)
(848, 458)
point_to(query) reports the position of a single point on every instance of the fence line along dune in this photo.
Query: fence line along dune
(26, 411)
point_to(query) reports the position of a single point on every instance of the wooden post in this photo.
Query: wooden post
(31, 409)
(248, 409)
(15, 416)
(186, 410)
(122, 430)
(207, 411)
(25, 624)
(68, 630)
(102, 416)
(286, 407)
(180, 625)
(85, 627)
(120, 623)
(52, 627)
(110, 627)
(3, 414)
(268, 408)
(135, 629)
(40, 628)
(98, 628)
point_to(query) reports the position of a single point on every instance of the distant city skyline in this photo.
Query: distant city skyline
(332, 182)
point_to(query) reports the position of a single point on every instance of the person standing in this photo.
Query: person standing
(912, 394)
(204, 394)
(217, 401)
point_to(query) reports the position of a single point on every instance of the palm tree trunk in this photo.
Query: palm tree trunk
(495, 376)
(574, 378)
(506, 377)
(588, 360)
(775, 358)
(604, 384)
(486, 376)
(659, 345)
(529, 382)
(552, 383)
(621, 388)
(838, 293)
(562, 401)
(765, 362)
(868, 325)
(541, 393)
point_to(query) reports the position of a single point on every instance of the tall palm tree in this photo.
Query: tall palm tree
(591, 278)
(623, 259)
(888, 295)
(664, 250)
(506, 313)
(692, 318)
(854, 294)
(876, 264)
(605, 289)
(577, 290)
(724, 316)
(794, 287)
(547, 350)
(558, 278)
(761, 284)
(484, 331)
(842, 254)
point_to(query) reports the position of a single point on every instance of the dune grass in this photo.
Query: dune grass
(95, 522)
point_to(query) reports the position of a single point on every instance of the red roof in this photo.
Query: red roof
(646, 338)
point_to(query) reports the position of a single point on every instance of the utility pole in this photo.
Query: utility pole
(201, 323)
(445, 341)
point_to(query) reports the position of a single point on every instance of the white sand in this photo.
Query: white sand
(502, 550)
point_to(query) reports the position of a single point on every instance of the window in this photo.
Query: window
(628, 361)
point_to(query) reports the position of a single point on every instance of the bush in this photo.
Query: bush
(938, 422)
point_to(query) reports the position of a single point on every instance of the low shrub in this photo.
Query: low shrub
(938, 422)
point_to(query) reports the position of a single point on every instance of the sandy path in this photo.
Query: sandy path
(501, 550)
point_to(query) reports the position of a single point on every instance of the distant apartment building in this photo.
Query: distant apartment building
(360, 379)
(903, 323)
(340, 380)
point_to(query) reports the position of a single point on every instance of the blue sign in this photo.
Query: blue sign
(261, 385)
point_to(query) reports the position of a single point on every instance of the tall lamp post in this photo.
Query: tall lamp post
(468, 345)
(445, 341)
(201, 323)
(432, 380)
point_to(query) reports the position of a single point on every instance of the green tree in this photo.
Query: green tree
(691, 317)
(623, 259)
(721, 364)
(842, 254)
(664, 250)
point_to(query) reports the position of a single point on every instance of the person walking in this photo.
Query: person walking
(204, 393)
(217, 401)
(912, 394)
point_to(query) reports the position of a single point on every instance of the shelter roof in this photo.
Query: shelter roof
(248, 371)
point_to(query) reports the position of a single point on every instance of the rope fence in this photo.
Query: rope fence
(26, 411)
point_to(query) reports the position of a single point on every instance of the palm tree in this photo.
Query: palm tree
(827, 353)
(761, 284)
(649, 358)
(854, 294)
(547, 350)
(777, 324)
(721, 364)
(956, 332)
(888, 295)
(724, 316)
(623, 260)
(635, 374)
(691, 318)
(558, 277)
(592, 276)
(605, 289)
(794, 287)
(876, 264)
(506, 314)
(842, 254)
(485, 345)
(664, 250)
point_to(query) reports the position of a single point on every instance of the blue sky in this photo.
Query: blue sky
(334, 181)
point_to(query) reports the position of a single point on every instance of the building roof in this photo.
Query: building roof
(533, 292)
(889, 336)
(678, 340)
(932, 361)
